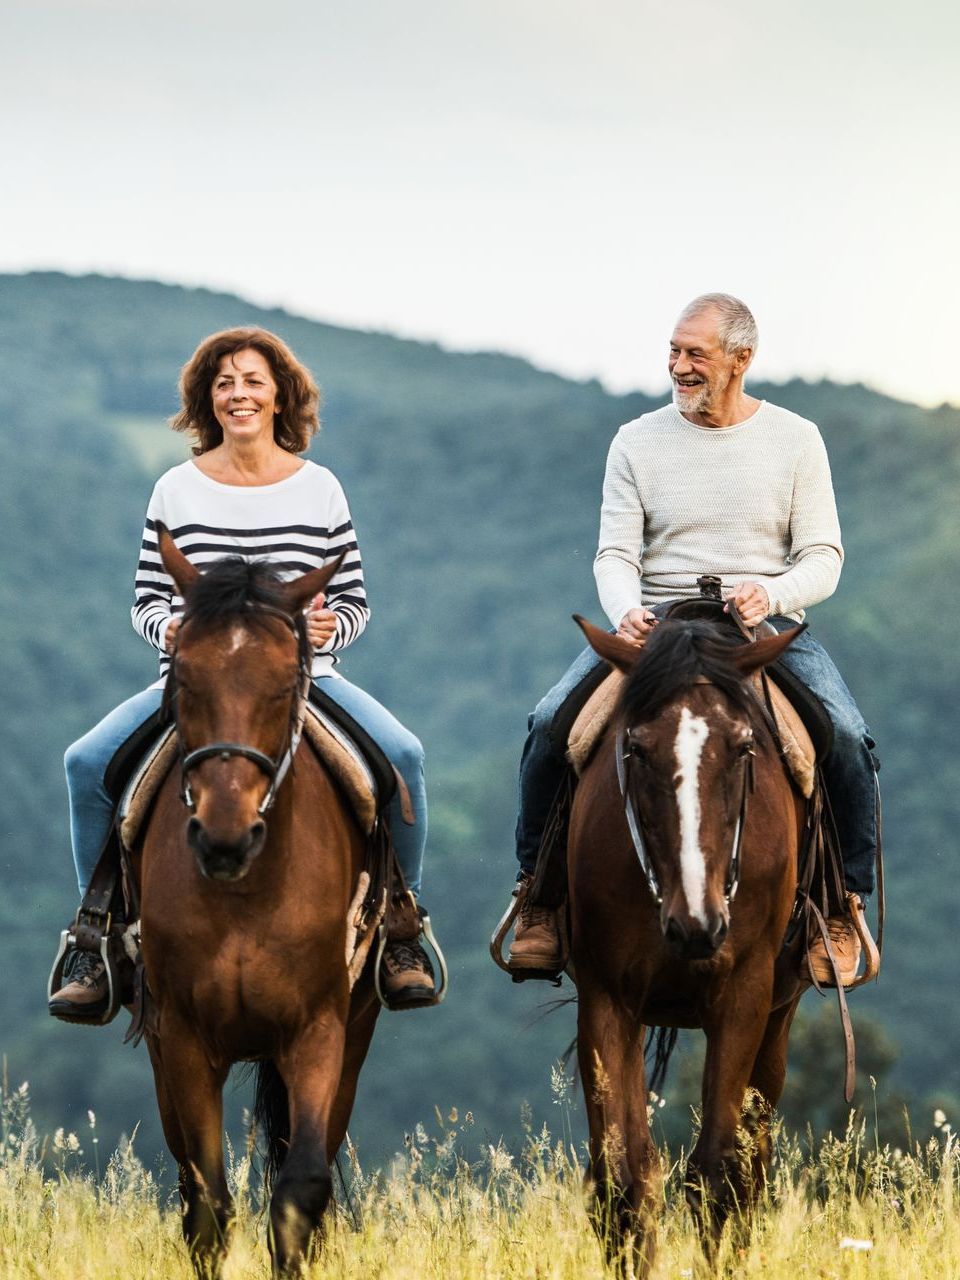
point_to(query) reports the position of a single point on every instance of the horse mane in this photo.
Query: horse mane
(236, 588)
(230, 587)
(678, 654)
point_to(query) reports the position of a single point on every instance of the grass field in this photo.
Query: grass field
(847, 1208)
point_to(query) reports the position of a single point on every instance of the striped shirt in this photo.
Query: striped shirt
(298, 524)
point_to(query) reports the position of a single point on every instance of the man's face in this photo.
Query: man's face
(699, 367)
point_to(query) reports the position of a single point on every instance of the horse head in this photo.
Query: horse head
(688, 726)
(237, 683)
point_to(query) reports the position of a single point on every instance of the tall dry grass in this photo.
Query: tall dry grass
(850, 1207)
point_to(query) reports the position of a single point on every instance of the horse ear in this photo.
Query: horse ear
(614, 649)
(300, 591)
(183, 573)
(751, 657)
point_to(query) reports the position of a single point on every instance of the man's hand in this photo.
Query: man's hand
(321, 622)
(170, 635)
(752, 601)
(636, 625)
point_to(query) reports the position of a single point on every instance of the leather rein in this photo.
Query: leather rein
(626, 753)
(275, 769)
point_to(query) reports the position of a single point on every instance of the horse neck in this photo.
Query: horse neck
(312, 838)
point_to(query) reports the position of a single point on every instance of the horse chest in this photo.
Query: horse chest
(244, 980)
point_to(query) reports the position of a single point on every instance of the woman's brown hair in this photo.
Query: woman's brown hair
(297, 394)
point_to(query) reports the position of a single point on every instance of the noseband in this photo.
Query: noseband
(275, 770)
(626, 753)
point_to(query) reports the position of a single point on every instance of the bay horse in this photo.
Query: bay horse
(682, 862)
(244, 913)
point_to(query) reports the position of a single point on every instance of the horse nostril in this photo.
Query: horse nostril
(719, 933)
(675, 931)
(257, 831)
(195, 836)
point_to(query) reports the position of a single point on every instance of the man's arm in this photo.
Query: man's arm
(618, 565)
(815, 546)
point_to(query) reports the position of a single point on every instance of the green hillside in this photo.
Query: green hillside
(474, 482)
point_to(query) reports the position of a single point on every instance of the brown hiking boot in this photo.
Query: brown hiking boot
(846, 948)
(537, 943)
(85, 995)
(406, 975)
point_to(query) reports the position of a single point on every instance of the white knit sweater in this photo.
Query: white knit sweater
(298, 524)
(751, 502)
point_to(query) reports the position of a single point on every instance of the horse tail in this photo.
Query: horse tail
(661, 1042)
(271, 1117)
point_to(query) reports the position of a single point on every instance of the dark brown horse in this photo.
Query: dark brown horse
(244, 910)
(682, 866)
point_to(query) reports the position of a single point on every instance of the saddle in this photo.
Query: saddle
(107, 921)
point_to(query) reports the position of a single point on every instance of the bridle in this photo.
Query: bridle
(626, 755)
(275, 769)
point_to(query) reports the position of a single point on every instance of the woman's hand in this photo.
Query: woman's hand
(752, 601)
(321, 622)
(636, 625)
(170, 635)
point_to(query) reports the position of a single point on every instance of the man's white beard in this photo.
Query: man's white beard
(694, 400)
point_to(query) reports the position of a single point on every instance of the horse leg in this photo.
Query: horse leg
(359, 1035)
(767, 1079)
(169, 1120)
(311, 1069)
(623, 1160)
(191, 1108)
(717, 1176)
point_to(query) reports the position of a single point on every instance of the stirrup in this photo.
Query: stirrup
(68, 942)
(506, 921)
(871, 953)
(518, 897)
(426, 931)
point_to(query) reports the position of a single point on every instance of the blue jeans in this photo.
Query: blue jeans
(91, 809)
(849, 770)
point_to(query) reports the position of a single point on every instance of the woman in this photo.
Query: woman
(252, 408)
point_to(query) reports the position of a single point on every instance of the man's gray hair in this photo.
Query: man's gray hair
(737, 328)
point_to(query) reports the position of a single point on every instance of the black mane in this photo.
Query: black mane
(676, 655)
(231, 588)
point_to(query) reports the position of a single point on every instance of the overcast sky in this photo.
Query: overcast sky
(553, 178)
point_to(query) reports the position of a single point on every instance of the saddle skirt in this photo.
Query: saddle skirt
(795, 741)
(341, 756)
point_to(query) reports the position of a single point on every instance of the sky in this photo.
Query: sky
(551, 178)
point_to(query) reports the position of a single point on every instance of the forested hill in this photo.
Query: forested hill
(474, 482)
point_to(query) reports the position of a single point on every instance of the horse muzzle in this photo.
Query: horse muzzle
(694, 940)
(225, 859)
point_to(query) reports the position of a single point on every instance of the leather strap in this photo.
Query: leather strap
(849, 1045)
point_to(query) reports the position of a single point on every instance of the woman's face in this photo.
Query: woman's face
(245, 397)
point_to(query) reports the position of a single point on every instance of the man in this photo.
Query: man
(717, 482)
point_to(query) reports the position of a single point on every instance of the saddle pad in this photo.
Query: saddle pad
(144, 784)
(795, 741)
(592, 720)
(344, 761)
(346, 764)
